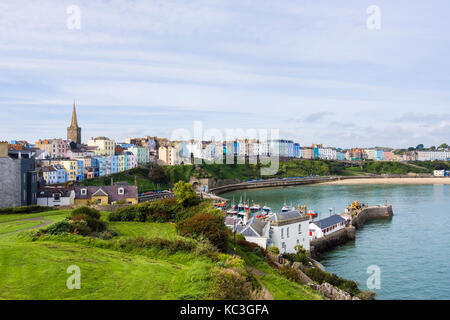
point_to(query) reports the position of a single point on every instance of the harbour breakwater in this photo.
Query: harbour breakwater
(270, 183)
(358, 219)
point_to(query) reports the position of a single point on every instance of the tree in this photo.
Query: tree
(443, 146)
(158, 174)
(186, 195)
(420, 147)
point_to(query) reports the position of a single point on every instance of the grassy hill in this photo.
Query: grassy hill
(36, 268)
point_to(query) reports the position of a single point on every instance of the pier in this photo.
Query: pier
(358, 219)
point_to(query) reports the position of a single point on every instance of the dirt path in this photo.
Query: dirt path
(46, 223)
(265, 293)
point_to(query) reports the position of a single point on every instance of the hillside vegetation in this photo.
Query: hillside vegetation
(135, 257)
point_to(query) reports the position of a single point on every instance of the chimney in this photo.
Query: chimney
(3, 149)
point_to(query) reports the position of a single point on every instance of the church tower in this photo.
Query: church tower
(74, 132)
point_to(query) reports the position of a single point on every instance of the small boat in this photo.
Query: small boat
(313, 213)
(266, 209)
(255, 208)
(232, 212)
(221, 204)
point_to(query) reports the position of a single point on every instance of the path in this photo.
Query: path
(265, 293)
(46, 223)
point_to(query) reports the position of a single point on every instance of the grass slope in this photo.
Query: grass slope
(38, 269)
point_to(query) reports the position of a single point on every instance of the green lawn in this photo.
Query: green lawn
(48, 215)
(12, 226)
(37, 270)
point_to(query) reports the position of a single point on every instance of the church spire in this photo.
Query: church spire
(74, 123)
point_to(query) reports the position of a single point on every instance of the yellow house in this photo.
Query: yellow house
(121, 192)
(121, 162)
(71, 168)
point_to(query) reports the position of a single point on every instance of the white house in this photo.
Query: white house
(288, 230)
(55, 196)
(324, 227)
(283, 230)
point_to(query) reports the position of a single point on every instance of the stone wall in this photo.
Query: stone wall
(372, 213)
(331, 241)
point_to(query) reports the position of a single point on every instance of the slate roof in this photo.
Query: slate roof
(254, 228)
(48, 192)
(282, 216)
(330, 221)
(111, 191)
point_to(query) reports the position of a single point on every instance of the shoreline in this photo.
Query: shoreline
(390, 180)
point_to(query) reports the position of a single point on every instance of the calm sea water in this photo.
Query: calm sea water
(412, 249)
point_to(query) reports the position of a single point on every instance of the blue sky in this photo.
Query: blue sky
(311, 69)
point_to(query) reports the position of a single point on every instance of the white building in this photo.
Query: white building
(55, 196)
(327, 154)
(440, 173)
(284, 230)
(324, 227)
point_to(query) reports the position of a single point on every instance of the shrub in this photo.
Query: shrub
(320, 276)
(26, 209)
(300, 256)
(91, 212)
(230, 285)
(156, 211)
(186, 195)
(205, 225)
(274, 250)
(59, 227)
(290, 273)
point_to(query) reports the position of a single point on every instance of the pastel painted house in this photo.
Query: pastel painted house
(103, 195)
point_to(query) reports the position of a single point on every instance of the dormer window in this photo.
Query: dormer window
(121, 190)
(83, 192)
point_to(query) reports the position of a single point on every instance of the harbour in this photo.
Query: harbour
(411, 244)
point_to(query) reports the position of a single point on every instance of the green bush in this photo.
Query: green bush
(156, 211)
(300, 256)
(59, 227)
(231, 285)
(320, 276)
(26, 209)
(205, 225)
(274, 250)
(91, 212)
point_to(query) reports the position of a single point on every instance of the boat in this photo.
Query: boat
(255, 208)
(266, 209)
(222, 204)
(313, 213)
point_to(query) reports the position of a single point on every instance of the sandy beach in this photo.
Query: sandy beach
(426, 180)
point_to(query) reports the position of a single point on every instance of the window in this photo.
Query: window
(83, 192)
(287, 232)
(99, 201)
(56, 196)
(282, 233)
(299, 228)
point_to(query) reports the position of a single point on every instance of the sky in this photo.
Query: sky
(314, 70)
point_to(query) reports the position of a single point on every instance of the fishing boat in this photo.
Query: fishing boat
(313, 213)
(255, 208)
